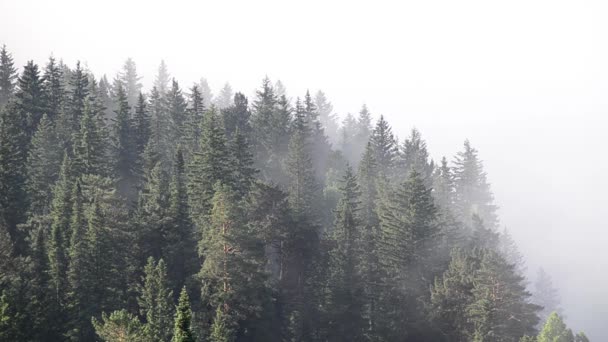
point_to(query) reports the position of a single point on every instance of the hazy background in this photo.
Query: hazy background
(525, 80)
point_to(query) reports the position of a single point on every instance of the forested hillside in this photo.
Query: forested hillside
(167, 215)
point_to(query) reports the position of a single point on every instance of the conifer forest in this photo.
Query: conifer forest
(157, 214)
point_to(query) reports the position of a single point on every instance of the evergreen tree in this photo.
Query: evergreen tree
(8, 76)
(90, 150)
(156, 302)
(206, 93)
(141, 135)
(555, 330)
(177, 111)
(180, 245)
(224, 98)
(221, 331)
(242, 164)
(31, 101)
(124, 152)
(120, 326)
(385, 148)
(546, 295)
(344, 282)
(130, 82)
(54, 92)
(236, 116)
(473, 192)
(210, 165)
(79, 85)
(161, 82)
(416, 157)
(443, 186)
(327, 117)
(182, 331)
(42, 166)
(193, 122)
(61, 212)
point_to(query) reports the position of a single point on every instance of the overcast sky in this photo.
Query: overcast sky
(525, 80)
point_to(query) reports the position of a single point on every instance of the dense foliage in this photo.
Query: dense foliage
(171, 216)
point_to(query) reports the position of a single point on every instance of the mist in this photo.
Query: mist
(525, 81)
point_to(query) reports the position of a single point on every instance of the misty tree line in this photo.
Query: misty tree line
(169, 216)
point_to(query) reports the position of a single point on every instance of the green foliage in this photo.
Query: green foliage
(8, 75)
(182, 331)
(156, 302)
(120, 326)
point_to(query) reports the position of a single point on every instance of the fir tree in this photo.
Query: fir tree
(236, 116)
(327, 117)
(79, 85)
(182, 331)
(416, 157)
(177, 110)
(385, 148)
(8, 76)
(42, 166)
(53, 89)
(546, 295)
(130, 82)
(193, 122)
(161, 82)
(31, 101)
(473, 192)
(123, 145)
(224, 98)
(180, 245)
(156, 302)
(242, 164)
(206, 93)
(344, 282)
(119, 326)
(90, 150)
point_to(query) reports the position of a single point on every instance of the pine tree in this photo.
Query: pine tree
(182, 331)
(120, 326)
(210, 165)
(443, 186)
(221, 331)
(42, 166)
(13, 157)
(61, 212)
(546, 295)
(141, 135)
(385, 148)
(243, 172)
(8, 76)
(473, 194)
(161, 82)
(192, 126)
(90, 150)
(53, 89)
(224, 98)
(555, 330)
(123, 146)
(206, 93)
(156, 302)
(31, 101)
(344, 282)
(416, 157)
(177, 110)
(370, 237)
(79, 85)
(130, 82)
(180, 245)
(327, 117)
(236, 116)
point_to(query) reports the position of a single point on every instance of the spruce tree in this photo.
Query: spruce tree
(31, 101)
(179, 233)
(443, 186)
(79, 85)
(43, 164)
(236, 117)
(224, 98)
(161, 82)
(182, 331)
(416, 157)
(385, 148)
(327, 117)
(130, 82)
(243, 172)
(54, 91)
(119, 326)
(345, 287)
(473, 194)
(192, 125)
(61, 212)
(546, 295)
(210, 165)
(124, 152)
(89, 146)
(8, 76)
(177, 111)
(156, 302)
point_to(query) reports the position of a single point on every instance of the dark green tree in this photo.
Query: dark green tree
(31, 101)
(54, 91)
(156, 302)
(385, 148)
(8, 76)
(182, 331)
(119, 326)
(124, 148)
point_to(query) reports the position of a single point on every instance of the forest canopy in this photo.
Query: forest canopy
(174, 215)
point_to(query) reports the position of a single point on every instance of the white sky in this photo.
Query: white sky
(525, 80)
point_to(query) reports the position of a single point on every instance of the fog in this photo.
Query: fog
(525, 81)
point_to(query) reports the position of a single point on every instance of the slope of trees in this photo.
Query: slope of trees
(170, 216)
